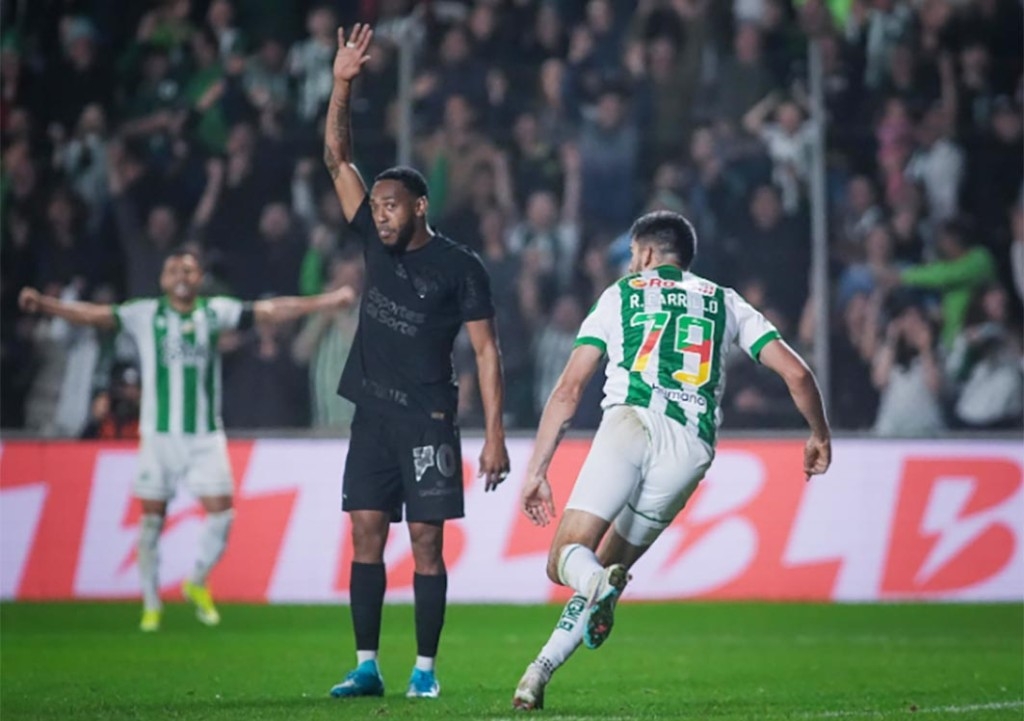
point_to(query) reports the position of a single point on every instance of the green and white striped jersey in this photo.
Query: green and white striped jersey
(667, 334)
(181, 387)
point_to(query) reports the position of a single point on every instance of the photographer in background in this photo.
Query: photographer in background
(907, 373)
(984, 365)
(115, 412)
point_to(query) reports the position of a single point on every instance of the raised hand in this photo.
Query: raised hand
(352, 53)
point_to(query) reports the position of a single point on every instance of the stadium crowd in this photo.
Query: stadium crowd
(543, 127)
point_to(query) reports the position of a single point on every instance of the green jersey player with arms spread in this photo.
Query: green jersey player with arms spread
(666, 334)
(180, 425)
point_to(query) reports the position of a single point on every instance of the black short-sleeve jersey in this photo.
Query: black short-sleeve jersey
(412, 307)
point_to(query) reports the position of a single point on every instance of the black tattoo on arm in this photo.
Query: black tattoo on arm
(342, 124)
(338, 131)
(562, 431)
(333, 166)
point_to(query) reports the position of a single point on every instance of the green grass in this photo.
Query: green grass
(692, 661)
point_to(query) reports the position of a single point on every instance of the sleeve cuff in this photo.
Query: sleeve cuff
(246, 316)
(116, 312)
(587, 340)
(760, 343)
(486, 314)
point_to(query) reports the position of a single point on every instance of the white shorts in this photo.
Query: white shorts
(200, 461)
(641, 470)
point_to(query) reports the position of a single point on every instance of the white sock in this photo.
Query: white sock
(149, 560)
(365, 656)
(566, 638)
(577, 565)
(425, 663)
(212, 544)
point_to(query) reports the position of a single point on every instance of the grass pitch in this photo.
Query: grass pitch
(673, 661)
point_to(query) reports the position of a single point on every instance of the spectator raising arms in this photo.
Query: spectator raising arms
(963, 268)
(542, 128)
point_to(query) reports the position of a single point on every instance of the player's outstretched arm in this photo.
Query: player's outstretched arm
(348, 62)
(494, 457)
(78, 312)
(286, 308)
(804, 389)
(537, 502)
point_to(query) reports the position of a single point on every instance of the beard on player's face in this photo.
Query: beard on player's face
(402, 237)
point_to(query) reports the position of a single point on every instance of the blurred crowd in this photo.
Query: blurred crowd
(543, 127)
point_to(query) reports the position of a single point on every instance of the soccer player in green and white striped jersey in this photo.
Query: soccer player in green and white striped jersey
(182, 436)
(666, 334)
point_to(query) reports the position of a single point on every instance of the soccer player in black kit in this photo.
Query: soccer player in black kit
(420, 289)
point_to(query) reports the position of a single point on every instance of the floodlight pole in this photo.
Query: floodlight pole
(819, 281)
(406, 74)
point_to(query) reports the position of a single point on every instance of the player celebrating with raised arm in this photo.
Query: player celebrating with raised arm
(666, 334)
(182, 436)
(404, 451)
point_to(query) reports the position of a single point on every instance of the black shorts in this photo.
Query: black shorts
(395, 462)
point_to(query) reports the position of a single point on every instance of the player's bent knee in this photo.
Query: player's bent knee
(554, 559)
(553, 572)
(616, 549)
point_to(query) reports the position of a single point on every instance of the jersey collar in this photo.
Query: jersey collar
(165, 306)
(670, 267)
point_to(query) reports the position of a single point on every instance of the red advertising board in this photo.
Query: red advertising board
(922, 520)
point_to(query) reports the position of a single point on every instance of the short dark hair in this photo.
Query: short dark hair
(669, 232)
(188, 249)
(410, 178)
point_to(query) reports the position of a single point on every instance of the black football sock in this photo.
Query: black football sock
(367, 600)
(431, 594)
